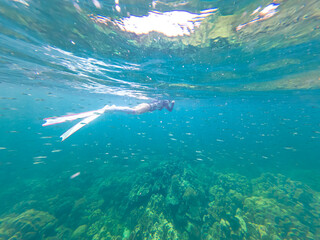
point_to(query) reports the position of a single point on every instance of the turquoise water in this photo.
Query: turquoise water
(237, 158)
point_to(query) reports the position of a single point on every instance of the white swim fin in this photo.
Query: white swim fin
(78, 126)
(62, 119)
(88, 117)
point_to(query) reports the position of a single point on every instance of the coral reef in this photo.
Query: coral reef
(172, 201)
(230, 206)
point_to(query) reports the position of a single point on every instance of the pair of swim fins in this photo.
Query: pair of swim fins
(88, 117)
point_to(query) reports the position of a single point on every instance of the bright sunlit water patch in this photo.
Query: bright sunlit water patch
(237, 158)
(171, 24)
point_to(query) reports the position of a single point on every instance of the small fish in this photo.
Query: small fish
(290, 148)
(38, 162)
(75, 175)
(40, 157)
(57, 150)
(2, 148)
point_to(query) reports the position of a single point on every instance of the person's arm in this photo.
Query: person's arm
(169, 108)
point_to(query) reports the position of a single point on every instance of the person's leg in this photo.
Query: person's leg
(141, 108)
(127, 110)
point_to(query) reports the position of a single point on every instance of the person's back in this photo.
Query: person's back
(160, 104)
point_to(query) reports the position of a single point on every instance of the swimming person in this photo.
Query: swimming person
(150, 107)
(92, 115)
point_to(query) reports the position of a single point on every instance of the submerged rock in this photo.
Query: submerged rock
(31, 224)
(80, 233)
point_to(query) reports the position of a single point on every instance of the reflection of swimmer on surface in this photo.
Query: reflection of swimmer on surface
(264, 14)
(92, 115)
(170, 4)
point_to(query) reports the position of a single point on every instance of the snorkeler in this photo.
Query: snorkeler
(92, 115)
